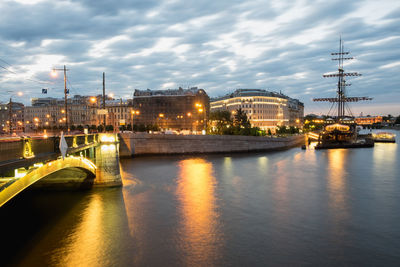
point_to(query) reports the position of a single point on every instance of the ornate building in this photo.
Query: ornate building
(178, 109)
(265, 109)
(50, 112)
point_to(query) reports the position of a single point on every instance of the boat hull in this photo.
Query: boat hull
(344, 145)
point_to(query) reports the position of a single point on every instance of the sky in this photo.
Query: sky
(218, 45)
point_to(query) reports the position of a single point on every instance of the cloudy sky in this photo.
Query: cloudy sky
(218, 45)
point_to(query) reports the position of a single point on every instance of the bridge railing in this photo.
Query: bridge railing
(16, 149)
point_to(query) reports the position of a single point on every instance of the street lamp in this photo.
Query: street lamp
(134, 112)
(54, 74)
(201, 109)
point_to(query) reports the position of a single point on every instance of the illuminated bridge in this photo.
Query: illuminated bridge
(92, 160)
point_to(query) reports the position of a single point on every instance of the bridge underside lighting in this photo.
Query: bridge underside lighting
(107, 138)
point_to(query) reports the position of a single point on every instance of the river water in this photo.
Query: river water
(291, 208)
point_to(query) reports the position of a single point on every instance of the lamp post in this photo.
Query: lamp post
(133, 113)
(201, 109)
(54, 74)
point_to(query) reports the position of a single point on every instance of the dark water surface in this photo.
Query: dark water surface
(295, 207)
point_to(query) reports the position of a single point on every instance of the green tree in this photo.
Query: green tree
(241, 119)
(220, 122)
(397, 120)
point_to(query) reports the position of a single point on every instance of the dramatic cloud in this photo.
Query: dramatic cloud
(216, 45)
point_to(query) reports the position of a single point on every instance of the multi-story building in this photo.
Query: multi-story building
(368, 120)
(118, 112)
(172, 109)
(264, 109)
(12, 117)
(50, 112)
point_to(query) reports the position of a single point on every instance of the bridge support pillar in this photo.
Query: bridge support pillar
(107, 161)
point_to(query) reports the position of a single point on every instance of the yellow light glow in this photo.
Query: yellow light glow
(189, 114)
(200, 110)
(36, 119)
(137, 112)
(161, 115)
(196, 194)
(20, 93)
(18, 173)
(111, 95)
(54, 73)
(62, 111)
(93, 99)
(107, 138)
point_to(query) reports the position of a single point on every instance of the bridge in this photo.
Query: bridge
(92, 160)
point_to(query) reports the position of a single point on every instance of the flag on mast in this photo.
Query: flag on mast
(63, 145)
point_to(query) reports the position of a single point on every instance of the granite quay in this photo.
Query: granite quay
(134, 144)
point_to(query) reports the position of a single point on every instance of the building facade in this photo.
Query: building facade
(118, 112)
(264, 109)
(172, 109)
(368, 120)
(50, 112)
(12, 118)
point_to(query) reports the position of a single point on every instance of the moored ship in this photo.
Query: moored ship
(341, 131)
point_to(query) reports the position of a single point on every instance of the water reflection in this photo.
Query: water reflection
(263, 164)
(385, 156)
(85, 245)
(196, 194)
(337, 159)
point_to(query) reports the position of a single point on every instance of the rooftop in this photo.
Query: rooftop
(251, 92)
(168, 92)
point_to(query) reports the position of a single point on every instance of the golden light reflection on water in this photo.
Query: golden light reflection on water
(385, 157)
(337, 159)
(263, 164)
(85, 246)
(196, 194)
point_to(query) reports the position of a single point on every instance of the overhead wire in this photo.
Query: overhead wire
(29, 79)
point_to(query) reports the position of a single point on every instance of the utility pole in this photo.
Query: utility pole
(10, 116)
(54, 74)
(104, 100)
(66, 98)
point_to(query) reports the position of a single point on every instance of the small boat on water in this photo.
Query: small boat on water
(384, 137)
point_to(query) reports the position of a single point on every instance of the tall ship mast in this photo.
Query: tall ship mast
(341, 133)
(341, 98)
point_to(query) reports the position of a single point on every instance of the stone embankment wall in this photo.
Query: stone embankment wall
(132, 144)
